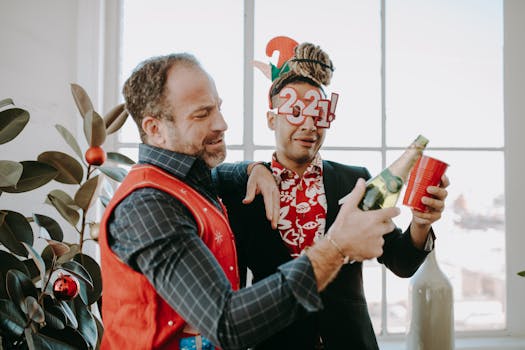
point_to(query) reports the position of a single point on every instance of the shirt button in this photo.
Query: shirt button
(170, 323)
(231, 268)
(205, 209)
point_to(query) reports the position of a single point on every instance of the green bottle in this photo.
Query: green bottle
(383, 190)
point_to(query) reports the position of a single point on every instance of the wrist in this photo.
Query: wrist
(252, 165)
(337, 247)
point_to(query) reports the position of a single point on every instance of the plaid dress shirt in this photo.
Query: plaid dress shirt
(156, 235)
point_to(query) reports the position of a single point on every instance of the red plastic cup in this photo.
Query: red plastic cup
(426, 172)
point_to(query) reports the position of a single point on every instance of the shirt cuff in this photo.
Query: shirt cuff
(300, 277)
(429, 243)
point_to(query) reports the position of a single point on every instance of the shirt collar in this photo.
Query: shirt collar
(175, 163)
(280, 172)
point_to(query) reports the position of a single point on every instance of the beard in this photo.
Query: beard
(212, 159)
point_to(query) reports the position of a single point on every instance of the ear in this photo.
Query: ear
(153, 129)
(271, 120)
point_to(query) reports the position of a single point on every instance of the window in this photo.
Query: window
(403, 67)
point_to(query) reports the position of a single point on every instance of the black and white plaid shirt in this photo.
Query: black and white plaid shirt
(156, 234)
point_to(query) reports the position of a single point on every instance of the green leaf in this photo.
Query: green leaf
(72, 320)
(33, 310)
(14, 230)
(32, 269)
(120, 158)
(9, 262)
(93, 268)
(74, 249)
(12, 122)
(522, 273)
(115, 118)
(10, 173)
(6, 102)
(85, 195)
(71, 215)
(55, 317)
(59, 248)
(3, 214)
(11, 319)
(34, 175)
(86, 323)
(79, 271)
(19, 286)
(82, 99)
(71, 141)
(49, 257)
(70, 171)
(38, 261)
(100, 332)
(64, 197)
(94, 129)
(117, 174)
(49, 228)
(40, 341)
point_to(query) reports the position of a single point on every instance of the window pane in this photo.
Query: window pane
(350, 34)
(369, 160)
(211, 30)
(444, 66)
(470, 245)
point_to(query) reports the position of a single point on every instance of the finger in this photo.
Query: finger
(385, 227)
(386, 214)
(276, 209)
(438, 192)
(269, 206)
(250, 192)
(445, 181)
(353, 198)
(433, 204)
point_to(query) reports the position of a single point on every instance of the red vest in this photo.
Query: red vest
(134, 315)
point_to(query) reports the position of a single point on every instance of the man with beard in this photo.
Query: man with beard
(168, 257)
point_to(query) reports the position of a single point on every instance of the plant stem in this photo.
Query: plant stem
(82, 229)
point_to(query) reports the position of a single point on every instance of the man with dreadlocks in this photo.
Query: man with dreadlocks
(310, 188)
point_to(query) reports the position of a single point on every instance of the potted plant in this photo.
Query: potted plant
(48, 298)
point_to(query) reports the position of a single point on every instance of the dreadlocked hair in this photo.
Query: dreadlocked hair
(310, 64)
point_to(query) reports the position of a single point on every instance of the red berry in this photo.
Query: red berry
(95, 155)
(66, 287)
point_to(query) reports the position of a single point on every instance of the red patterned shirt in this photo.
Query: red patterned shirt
(303, 205)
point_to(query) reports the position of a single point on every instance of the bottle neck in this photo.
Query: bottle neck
(401, 166)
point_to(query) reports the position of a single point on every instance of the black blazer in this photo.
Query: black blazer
(344, 322)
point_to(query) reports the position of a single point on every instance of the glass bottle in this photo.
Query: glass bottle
(431, 308)
(383, 190)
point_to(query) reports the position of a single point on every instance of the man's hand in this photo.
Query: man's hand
(360, 233)
(421, 222)
(261, 181)
(355, 235)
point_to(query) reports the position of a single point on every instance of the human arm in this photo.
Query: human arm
(405, 252)
(422, 221)
(256, 178)
(156, 235)
(355, 235)
(151, 235)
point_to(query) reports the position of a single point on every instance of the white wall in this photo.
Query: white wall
(44, 47)
(38, 61)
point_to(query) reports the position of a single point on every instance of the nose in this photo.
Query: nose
(219, 123)
(309, 124)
